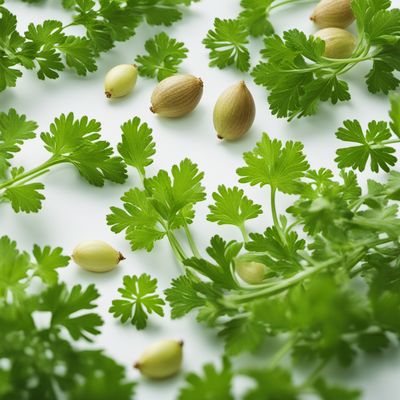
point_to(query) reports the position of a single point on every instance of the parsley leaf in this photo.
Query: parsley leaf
(255, 16)
(371, 146)
(272, 164)
(232, 207)
(138, 299)
(227, 43)
(165, 55)
(26, 198)
(214, 384)
(137, 146)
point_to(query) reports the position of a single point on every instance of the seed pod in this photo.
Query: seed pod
(333, 13)
(234, 112)
(96, 256)
(120, 80)
(161, 360)
(339, 43)
(176, 96)
(252, 272)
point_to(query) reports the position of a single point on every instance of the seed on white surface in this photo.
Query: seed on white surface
(120, 80)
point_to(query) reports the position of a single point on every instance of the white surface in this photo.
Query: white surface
(74, 211)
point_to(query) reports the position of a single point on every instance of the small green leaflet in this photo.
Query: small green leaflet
(271, 163)
(138, 300)
(255, 16)
(227, 44)
(137, 146)
(212, 384)
(26, 198)
(232, 207)
(164, 56)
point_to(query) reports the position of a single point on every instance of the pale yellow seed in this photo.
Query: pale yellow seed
(96, 256)
(333, 13)
(176, 96)
(234, 112)
(120, 80)
(161, 360)
(339, 43)
(251, 272)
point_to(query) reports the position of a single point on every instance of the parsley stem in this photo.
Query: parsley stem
(28, 175)
(314, 374)
(275, 215)
(244, 233)
(282, 352)
(283, 3)
(191, 241)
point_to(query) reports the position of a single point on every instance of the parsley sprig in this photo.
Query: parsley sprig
(49, 47)
(299, 77)
(333, 233)
(40, 322)
(69, 140)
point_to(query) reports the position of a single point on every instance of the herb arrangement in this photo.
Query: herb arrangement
(49, 48)
(319, 287)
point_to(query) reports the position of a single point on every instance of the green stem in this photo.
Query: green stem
(28, 175)
(244, 233)
(275, 216)
(191, 241)
(282, 352)
(285, 2)
(314, 374)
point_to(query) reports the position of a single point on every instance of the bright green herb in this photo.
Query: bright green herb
(165, 55)
(138, 298)
(49, 48)
(332, 235)
(299, 77)
(39, 359)
(72, 141)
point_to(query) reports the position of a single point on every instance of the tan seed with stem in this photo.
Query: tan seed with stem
(176, 96)
(234, 112)
(333, 13)
(339, 43)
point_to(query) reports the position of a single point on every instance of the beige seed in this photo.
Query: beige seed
(161, 360)
(251, 272)
(120, 80)
(234, 112)
(333, 13)
(96, 256)
(176, 96)
(339, 43)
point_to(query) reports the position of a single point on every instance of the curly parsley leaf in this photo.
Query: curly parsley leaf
(165, 54)
(271, 163)
(227, 44)
(139, 298)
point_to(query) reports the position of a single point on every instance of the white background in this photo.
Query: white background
(75, 211)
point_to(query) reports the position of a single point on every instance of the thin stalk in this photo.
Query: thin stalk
(282, 352)
(314, 374)
(28, 175)
(275, 215)
(244, 233)
(191, 241)
(285, 2)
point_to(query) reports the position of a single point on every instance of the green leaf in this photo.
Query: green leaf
(47, 262)
(65, 304)
(395, 114)
(14, 266)
(223, 254)
(14, 130)
(372, 146)
(272, 164)
(335, 392)
(138, 300)
(183, 296)
(165, 54)
(227, 43)
(255, 17)
(26, 198)
(232, 207)
(137, 146)
(214, 384)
